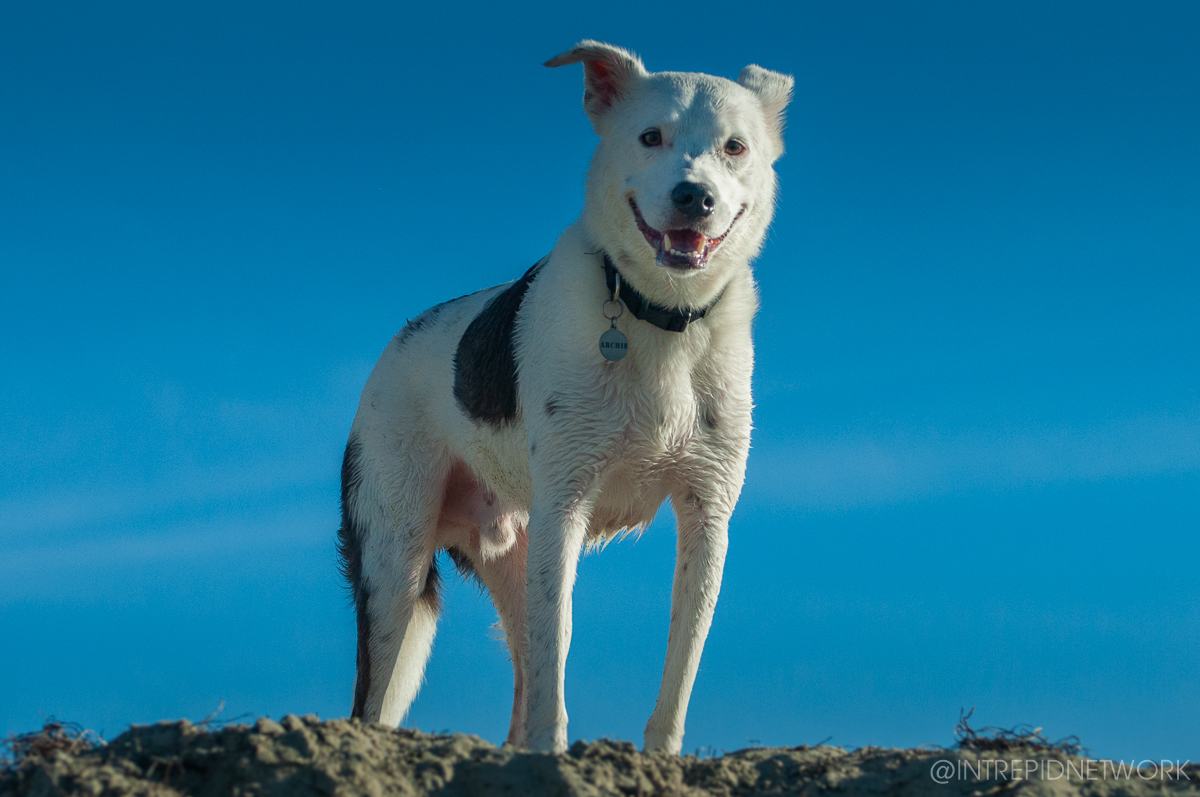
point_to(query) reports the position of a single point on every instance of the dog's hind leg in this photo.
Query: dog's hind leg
(504, 578)
(401, 609)
(401, 617)
(387, 540)
(699, 561)
(489, 541)
(408, 672)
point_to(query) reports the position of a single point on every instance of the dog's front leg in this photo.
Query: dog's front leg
(557, 525)
(699, 561)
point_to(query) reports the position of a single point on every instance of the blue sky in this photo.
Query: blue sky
(976, 460)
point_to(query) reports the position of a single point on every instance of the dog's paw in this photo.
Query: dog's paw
(551, 740)
(660, 742)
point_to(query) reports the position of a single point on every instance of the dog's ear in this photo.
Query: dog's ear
(774, 91)
(608, 74)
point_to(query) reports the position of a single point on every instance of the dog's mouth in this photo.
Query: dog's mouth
(685, 250)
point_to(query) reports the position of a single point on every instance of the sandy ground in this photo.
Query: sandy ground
(304, 756)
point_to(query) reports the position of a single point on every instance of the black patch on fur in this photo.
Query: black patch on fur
(431, 593)
(708, 416)
(485, 364)
(350, 563)
(464, 565)
(552, 405)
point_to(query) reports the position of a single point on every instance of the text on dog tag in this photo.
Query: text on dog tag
(613, 344)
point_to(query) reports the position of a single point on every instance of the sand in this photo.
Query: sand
(304, 756)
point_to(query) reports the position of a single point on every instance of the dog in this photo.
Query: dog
(516, 425)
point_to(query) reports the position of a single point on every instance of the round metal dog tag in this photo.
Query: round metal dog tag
(613, 344)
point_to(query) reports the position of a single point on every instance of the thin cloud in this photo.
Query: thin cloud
(72, 508)
(865, 470)
(86, 565)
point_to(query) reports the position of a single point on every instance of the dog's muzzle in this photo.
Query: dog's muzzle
(684, 249)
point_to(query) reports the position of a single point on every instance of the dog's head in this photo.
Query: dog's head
(682, 186)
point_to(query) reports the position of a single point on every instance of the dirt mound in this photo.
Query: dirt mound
(304, 756)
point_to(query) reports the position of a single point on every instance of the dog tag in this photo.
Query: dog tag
(613, 344)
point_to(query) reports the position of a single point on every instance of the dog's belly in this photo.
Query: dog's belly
(474, 519)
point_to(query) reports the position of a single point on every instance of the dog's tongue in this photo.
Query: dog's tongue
(688, 241)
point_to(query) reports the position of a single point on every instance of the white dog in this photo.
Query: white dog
(512, 426)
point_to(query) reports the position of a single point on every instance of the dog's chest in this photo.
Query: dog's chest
(660, 443)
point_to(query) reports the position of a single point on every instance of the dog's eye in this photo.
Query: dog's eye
(651, 138)
(734, 147)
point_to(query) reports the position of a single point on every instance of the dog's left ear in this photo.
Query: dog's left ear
(608, 74)
(774, 90)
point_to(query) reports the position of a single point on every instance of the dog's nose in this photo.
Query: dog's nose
(694, 199)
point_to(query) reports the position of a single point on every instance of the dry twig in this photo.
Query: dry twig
(995, 738)
(54, 735)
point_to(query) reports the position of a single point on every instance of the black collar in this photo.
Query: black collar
(672, 319)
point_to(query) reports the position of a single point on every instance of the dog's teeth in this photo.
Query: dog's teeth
(667, 242)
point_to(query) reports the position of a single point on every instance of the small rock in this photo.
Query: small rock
(268, 726)
(292, 722)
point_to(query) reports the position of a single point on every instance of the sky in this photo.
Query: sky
(975, 470)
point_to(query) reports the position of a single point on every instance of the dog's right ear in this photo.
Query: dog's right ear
(608, 74)
(774, 90)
